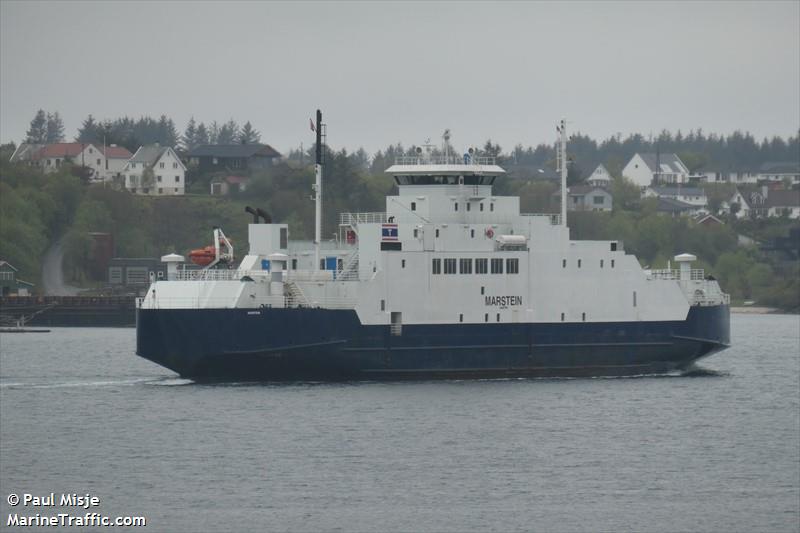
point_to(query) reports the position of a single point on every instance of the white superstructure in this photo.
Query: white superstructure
(446, 250)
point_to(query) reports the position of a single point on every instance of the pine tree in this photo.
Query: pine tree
(167, 134)
(89, 130)
(201, 137)
(55, 128)
(228, 133)
(37, 134)
(213, 133)
(248, 135)
(190, 135)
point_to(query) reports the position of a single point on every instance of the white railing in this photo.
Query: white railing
(696, 274)
(253, 304)
(219, 275)
(555, 219)
(354, 219)
(443, 160)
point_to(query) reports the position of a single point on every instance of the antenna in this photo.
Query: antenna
(446, 138)
(318, 190)
(563, 167)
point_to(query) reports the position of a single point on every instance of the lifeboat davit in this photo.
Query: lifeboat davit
(202, 256)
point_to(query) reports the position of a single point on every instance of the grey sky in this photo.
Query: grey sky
(387, 72)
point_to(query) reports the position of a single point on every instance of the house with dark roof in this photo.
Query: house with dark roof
(689, 195)
(233, 157)
(676, 208)
(780, 171)
(10, 285)
(600, 177)
(647, 169)
(586, 198)
(155, 170)
(780, 203)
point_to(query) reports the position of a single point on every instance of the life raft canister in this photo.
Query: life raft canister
(489, 232)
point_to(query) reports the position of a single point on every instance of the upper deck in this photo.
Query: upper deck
(426, 169)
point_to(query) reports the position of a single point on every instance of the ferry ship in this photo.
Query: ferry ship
(451, 281)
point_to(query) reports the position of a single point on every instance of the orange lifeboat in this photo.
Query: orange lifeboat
(202, 256)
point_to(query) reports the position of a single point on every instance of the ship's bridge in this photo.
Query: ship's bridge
(471, 176)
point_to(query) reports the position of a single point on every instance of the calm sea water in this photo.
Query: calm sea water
(718, 450)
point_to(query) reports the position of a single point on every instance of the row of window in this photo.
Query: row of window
(146, 190)
(580, 262)
(135, 179)
(482, 266)
(161, 165)
(469, 206)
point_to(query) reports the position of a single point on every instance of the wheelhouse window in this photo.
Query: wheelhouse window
(481, 266)
(436, 267)
(512, 266)
(465, 266)
(444, 180)
(450, 266)
(497, 266)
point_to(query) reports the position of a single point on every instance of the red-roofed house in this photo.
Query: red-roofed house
(228, 184)
(52, 156)
(115, 160)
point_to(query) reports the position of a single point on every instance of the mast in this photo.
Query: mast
(318, 191)
(563, 152)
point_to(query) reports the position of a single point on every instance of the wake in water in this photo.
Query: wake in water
(158, 381)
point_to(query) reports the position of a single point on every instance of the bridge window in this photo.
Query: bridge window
(512, 266)
(449, 266)
(497, 266)
(437, 266)
(481, 266)
(465, 265)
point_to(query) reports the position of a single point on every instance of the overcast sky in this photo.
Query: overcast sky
(387, 72)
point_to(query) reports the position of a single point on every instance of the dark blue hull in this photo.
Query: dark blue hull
(332, 345)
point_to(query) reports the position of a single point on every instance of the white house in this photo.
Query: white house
(689, 195)
(739, 199)
(599, 178)
(645, 169)
(50, 157)
(155, 170)
(116, 157)
(586, 198)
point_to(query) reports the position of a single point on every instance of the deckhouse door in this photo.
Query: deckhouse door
(428, 234)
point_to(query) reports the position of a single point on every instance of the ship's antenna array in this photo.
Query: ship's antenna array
(318, 187)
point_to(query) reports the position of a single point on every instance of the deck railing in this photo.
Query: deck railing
(696, 274)
(354, 219)
(443, 160)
